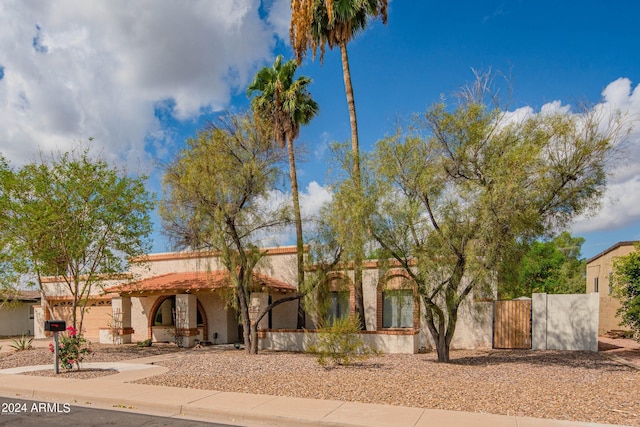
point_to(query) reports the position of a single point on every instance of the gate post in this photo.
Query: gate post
(539, 321)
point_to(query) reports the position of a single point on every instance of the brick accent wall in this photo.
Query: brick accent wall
(396, 278)
(337, 283)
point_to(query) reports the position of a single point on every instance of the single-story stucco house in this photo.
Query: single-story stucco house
(17, 313)
(599, 273)
(185, 295)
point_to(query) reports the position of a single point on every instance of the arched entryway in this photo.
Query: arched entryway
(165, 307)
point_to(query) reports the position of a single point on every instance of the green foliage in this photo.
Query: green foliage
(22, 343)
(454, 193)
(145, 343)
(284, 104)
(319, 23)
(626, 287)
(73, 348)
(340, 343)
(218, 196)
(75, 217)
(552, 267)
(346, 216)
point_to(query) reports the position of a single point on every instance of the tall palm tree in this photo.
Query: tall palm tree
(285, 104)
(321, 23)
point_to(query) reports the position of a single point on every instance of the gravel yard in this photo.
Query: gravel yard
(546, 384)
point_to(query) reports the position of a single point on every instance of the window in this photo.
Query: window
(339, 307)
(397, 308)
(595, 284)
(165, 316)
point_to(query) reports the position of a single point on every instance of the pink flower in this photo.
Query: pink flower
(72, 331)
(51, 347)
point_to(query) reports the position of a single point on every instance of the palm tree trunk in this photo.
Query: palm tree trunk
(355, 148)
(348, 87)
(298, 220)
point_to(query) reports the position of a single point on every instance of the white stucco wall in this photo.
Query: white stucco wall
(565, 322)
(15, 319)
(300, 340)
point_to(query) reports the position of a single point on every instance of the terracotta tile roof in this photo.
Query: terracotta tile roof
(195, 281)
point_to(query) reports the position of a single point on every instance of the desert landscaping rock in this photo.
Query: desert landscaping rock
(579, 386)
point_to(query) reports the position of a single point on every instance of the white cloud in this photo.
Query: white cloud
(313, 199)
(279, 17)
(620, 208)
(74, 69)
(621, 205)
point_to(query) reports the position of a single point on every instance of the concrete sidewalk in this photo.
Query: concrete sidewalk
(115, 392)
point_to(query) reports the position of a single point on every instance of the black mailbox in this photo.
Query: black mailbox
(55, 325)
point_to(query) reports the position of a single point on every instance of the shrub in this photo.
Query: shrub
(626, 287)
(145, 343)
(22, 343)
(341, 343)
(72, 348)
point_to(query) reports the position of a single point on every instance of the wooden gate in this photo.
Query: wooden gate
(512, 324)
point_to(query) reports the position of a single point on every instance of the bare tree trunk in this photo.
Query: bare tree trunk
(253, 348)
(298, 220)
(443, 349)
(437, 332)
(355, 148)
(244, 318)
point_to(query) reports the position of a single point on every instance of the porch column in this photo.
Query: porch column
(120, 327)
(38, 322)
(539, 321)
(259, 300)
(187, 319)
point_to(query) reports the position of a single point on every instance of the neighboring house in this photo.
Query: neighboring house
(184, 295)
(599, 273)
(17, 313)
(98, 308)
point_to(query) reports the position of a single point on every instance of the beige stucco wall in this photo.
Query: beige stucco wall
(473, 329)
(601, 267)
(300, 341)
(280, 266)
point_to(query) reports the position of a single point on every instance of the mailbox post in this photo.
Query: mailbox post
(55, 326)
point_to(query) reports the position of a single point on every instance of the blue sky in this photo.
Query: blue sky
(142, 76)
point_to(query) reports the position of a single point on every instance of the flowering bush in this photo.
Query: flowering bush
(72, 348)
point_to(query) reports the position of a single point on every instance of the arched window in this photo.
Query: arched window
(166, 313)
(397, 302)
(337, 299)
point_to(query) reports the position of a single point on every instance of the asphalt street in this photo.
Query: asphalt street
(30, 413)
